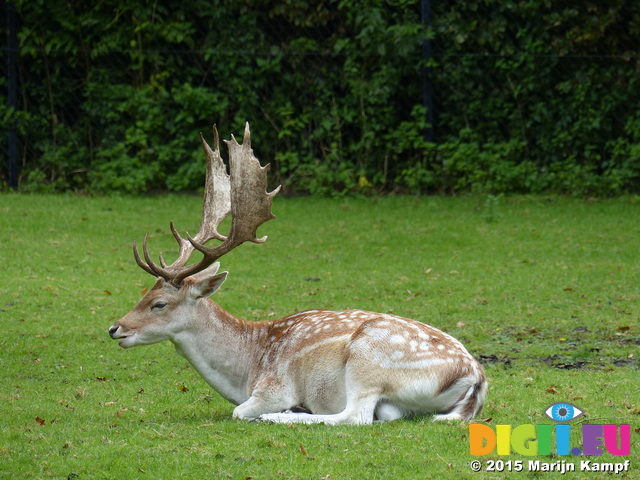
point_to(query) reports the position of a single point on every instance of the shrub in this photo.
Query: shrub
(528, 96)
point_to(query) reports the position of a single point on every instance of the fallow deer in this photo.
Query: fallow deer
(317, 366)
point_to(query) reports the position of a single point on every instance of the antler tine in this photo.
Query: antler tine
(139, 261)
(164, 270)
(185, 249)
(149, 267)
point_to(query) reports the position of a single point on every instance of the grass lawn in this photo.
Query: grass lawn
(545, 291)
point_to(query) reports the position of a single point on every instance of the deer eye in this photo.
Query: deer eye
(158, 306)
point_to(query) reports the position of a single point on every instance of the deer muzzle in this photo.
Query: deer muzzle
(115, 332)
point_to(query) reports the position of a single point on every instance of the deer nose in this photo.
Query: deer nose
(112, 331)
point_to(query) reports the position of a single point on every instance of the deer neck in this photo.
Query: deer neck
(222, 348)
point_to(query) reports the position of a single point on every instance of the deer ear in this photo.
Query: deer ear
(204, 286)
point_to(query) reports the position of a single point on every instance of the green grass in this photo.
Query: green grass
(545, 290)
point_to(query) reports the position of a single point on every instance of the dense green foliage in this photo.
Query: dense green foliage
(530, 96)
(551, 104)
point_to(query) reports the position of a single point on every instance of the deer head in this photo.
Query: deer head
(242, 194)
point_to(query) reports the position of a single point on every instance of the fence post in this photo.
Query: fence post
(12, 97)
(427, 85)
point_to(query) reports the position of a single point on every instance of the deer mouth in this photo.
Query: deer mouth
(127, 340)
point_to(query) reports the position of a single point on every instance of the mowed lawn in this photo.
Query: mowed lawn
(545, 291)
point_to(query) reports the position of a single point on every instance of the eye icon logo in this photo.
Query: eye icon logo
(563, 412)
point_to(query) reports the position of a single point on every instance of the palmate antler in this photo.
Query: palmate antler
(242, 193)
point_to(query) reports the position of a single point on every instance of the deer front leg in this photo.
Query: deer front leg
(268, 397)
(251, 409)
(359, 411)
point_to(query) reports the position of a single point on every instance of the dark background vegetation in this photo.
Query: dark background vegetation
(528, 96)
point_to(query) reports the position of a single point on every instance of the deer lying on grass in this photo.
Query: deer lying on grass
(317, 366)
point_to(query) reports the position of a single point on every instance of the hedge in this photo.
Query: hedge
(529, 96)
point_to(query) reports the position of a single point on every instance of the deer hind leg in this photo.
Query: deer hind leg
(387, 412)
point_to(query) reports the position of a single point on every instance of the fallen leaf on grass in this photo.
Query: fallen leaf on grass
(182, 388)
(552, 389)
(303, 450)
(40, 420)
